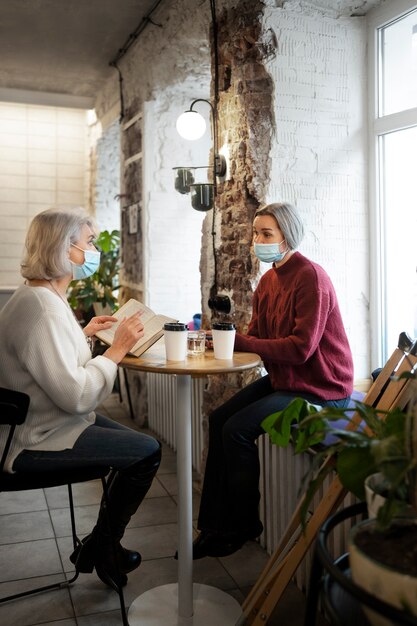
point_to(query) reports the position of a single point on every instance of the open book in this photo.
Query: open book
(154, 326)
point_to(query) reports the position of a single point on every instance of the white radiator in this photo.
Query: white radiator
(281, 474)
(281, 469)
(161, 412)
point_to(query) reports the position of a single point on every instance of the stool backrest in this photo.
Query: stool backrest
(14, 406)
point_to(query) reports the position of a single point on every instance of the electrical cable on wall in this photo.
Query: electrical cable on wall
(122, 103)
(126, 46)
(215, 133)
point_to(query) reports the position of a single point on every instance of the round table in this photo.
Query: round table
(185, 603)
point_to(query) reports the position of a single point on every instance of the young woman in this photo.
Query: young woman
(46, 354)
(297, 329)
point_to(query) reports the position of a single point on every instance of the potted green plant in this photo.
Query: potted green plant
(385, 443)
(97, 294)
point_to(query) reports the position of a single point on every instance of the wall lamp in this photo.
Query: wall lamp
(191, 125)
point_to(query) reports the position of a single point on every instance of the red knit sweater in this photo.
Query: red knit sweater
(297, 329)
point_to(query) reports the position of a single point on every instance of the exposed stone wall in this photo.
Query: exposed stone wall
(246, 124)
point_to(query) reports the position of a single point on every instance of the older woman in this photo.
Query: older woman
(45, 353)
(297, 329)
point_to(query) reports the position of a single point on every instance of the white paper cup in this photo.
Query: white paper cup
(223, 340)
(175, 335)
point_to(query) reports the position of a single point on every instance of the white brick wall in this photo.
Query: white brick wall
(108, 178)
(319, 152)
(167, 73)
(172, 228)
(42, 164)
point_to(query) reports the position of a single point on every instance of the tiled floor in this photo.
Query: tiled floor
(35, 543)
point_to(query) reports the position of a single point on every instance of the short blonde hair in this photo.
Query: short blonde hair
(48, 240)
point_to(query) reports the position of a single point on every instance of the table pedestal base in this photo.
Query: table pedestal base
(159, 607)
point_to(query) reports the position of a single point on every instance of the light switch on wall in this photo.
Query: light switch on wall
(133, 219)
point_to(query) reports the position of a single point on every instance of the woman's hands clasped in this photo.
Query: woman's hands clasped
(129, 331)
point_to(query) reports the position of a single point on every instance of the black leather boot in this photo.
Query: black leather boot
(126, 491)
(217, 544)
(85, 553)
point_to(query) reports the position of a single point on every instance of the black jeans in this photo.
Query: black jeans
(105, 442)
(230, 497)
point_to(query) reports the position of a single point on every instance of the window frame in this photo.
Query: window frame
(378, 18)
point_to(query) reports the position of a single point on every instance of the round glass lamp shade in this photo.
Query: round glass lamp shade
(191, 125)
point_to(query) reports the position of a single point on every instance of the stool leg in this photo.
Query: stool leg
(129, 399)
(75, 540)
(313, 592)
(119, 386)
(114, 547)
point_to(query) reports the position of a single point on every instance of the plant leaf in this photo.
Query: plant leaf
(279, 425)
(353, 465)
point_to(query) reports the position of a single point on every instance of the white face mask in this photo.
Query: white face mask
(269, 252)
(90, 265)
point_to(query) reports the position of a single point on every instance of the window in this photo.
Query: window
(398, 64)
(394, 155)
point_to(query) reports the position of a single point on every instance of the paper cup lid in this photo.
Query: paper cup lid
(223, 326)
(175, 326)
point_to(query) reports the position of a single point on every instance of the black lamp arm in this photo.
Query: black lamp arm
(219, 165)
(202, 100)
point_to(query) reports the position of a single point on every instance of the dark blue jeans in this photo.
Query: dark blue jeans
(104, 443)
(230, 497)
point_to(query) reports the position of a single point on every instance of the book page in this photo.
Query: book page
(153, 325)
(129, 308)
(153, 331)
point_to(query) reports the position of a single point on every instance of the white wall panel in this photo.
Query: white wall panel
(42, 164)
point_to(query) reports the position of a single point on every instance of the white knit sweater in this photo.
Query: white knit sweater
(44, 353)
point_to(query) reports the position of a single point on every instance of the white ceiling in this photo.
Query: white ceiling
(64, 46)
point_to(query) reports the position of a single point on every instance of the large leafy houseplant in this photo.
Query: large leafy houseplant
(383, 551)
(101, 287)
(385, 442)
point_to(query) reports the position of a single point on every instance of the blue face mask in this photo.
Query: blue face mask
(269, 252)
(90, 265)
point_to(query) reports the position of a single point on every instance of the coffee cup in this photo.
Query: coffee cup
(223, 340)
(175, 335)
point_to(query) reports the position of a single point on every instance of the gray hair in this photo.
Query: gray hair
(48, 240)
(288, 219)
